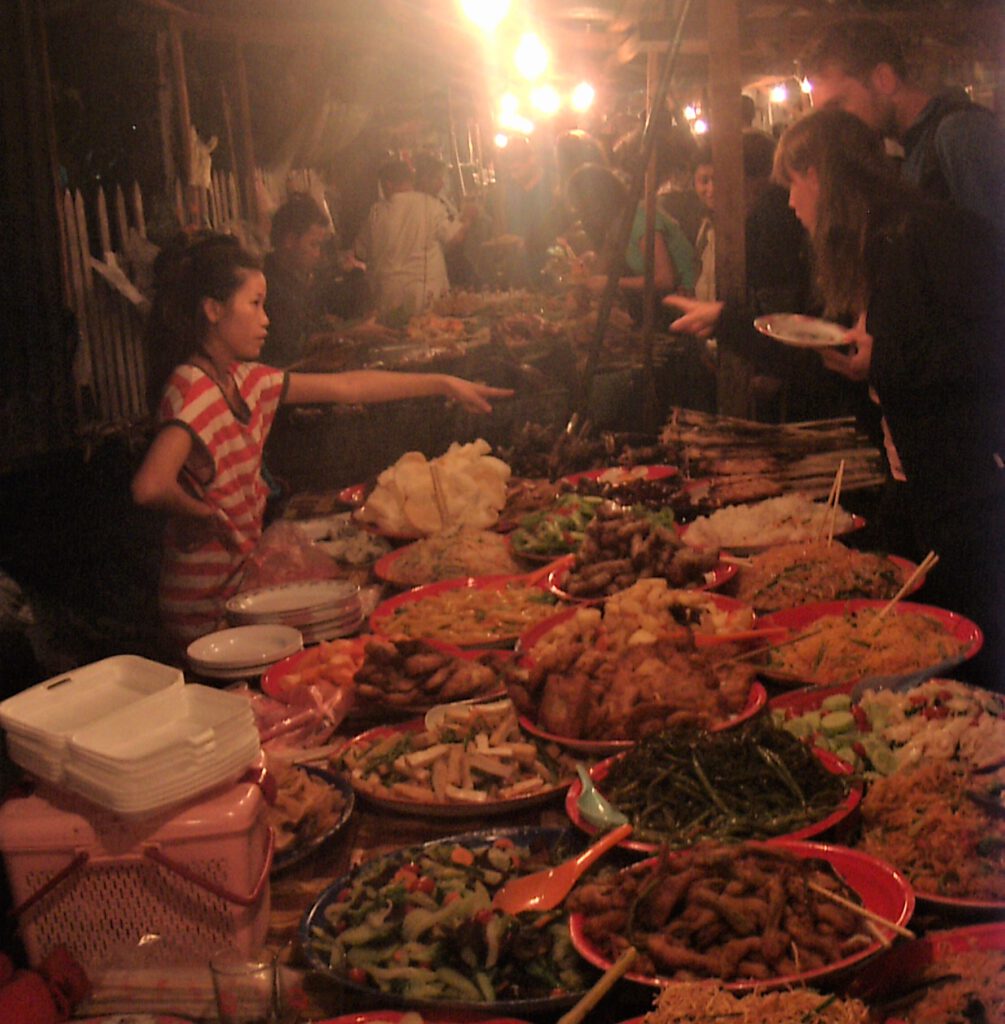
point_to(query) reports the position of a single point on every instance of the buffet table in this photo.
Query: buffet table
(727, 457)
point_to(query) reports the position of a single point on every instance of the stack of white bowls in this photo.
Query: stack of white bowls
(243, 652)
(319, 609)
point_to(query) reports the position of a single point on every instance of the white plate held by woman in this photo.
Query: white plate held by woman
(801, 331)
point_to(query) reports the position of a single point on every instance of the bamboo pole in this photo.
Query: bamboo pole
(64, 216)
(650, 400)
(121, 220)
(82, 257)
(246, 144)
(104, 234)
(184, 119)
(730, 271)
(138, 215)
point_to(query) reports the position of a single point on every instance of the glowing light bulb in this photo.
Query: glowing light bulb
(486, 14)
(508, 103)
(545, 100)
(779, 93)
(501, 140)
(690, 112)
(531, 57)
(582, 97)
(700, 126)
(806, 85)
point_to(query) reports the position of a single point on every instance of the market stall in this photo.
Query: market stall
(435, 680)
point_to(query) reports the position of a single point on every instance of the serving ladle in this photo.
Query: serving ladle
(545, 889)
(593, 807)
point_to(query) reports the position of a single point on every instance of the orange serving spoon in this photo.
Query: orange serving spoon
(544, 890)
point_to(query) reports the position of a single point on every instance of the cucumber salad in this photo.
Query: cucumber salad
(420, 925)
(887, 730)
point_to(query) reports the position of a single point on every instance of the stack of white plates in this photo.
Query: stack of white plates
(319, 609)
(243, 652)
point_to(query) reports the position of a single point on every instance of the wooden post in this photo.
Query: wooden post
(165, 112)
(138, 216)
(725, 84)
(184, 122)
(246, 148)
(650, 399)
(121, 220)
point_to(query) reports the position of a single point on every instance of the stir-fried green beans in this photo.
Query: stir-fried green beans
(758, 781)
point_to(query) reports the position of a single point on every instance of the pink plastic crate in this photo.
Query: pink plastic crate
(166, 891)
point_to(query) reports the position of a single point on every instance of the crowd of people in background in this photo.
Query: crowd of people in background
(905, 252)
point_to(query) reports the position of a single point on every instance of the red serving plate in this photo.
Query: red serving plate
(383, 568)
(857, 523)
(382, 619)
(354, 495)
(756, 699)
(272, 681)
(719, 574)
(440, 1017)
(432, 808)
(881, 888)
(622, 475)
(805, 615)
(898, 967)
(833, 764)
(533, 635)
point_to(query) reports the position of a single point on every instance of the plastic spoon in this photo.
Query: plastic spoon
(593, 807)
(544, 890)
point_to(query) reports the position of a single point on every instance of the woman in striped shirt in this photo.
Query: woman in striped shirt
(204, 467)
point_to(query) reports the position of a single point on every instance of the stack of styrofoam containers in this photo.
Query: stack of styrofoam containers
(142, 845)
(129, 735)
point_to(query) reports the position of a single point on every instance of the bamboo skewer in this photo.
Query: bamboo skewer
(441, 503)
(600, 988)
(927, 564)
(869, 915)
(834, 506)
(881, 937)
(773, 647)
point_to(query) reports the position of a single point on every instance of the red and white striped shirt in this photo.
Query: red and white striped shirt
(202, 566)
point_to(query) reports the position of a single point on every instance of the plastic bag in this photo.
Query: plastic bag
(309, 724)
(285, 554)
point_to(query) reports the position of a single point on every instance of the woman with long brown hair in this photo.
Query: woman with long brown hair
(923, 282)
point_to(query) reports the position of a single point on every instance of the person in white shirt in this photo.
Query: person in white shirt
(402, 243)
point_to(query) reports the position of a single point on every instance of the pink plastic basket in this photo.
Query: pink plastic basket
(119, 894)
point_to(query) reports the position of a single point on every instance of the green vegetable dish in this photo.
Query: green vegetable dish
(684, 785)
(419, 925)
(555, 530)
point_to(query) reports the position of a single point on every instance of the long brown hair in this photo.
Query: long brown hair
(859, 193)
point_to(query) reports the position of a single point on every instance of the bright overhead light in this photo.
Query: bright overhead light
(501, 140)
(582, 97)
(545, 100)
(690, 112)
(700, 126)
(806, 85)
(531, 57)
(516, 123)
(508, 103)
(779, 93)
(486, 14)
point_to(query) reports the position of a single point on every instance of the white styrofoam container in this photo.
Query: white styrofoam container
(131, 798)
(49, 711)
(119, 905)
(191, 729)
